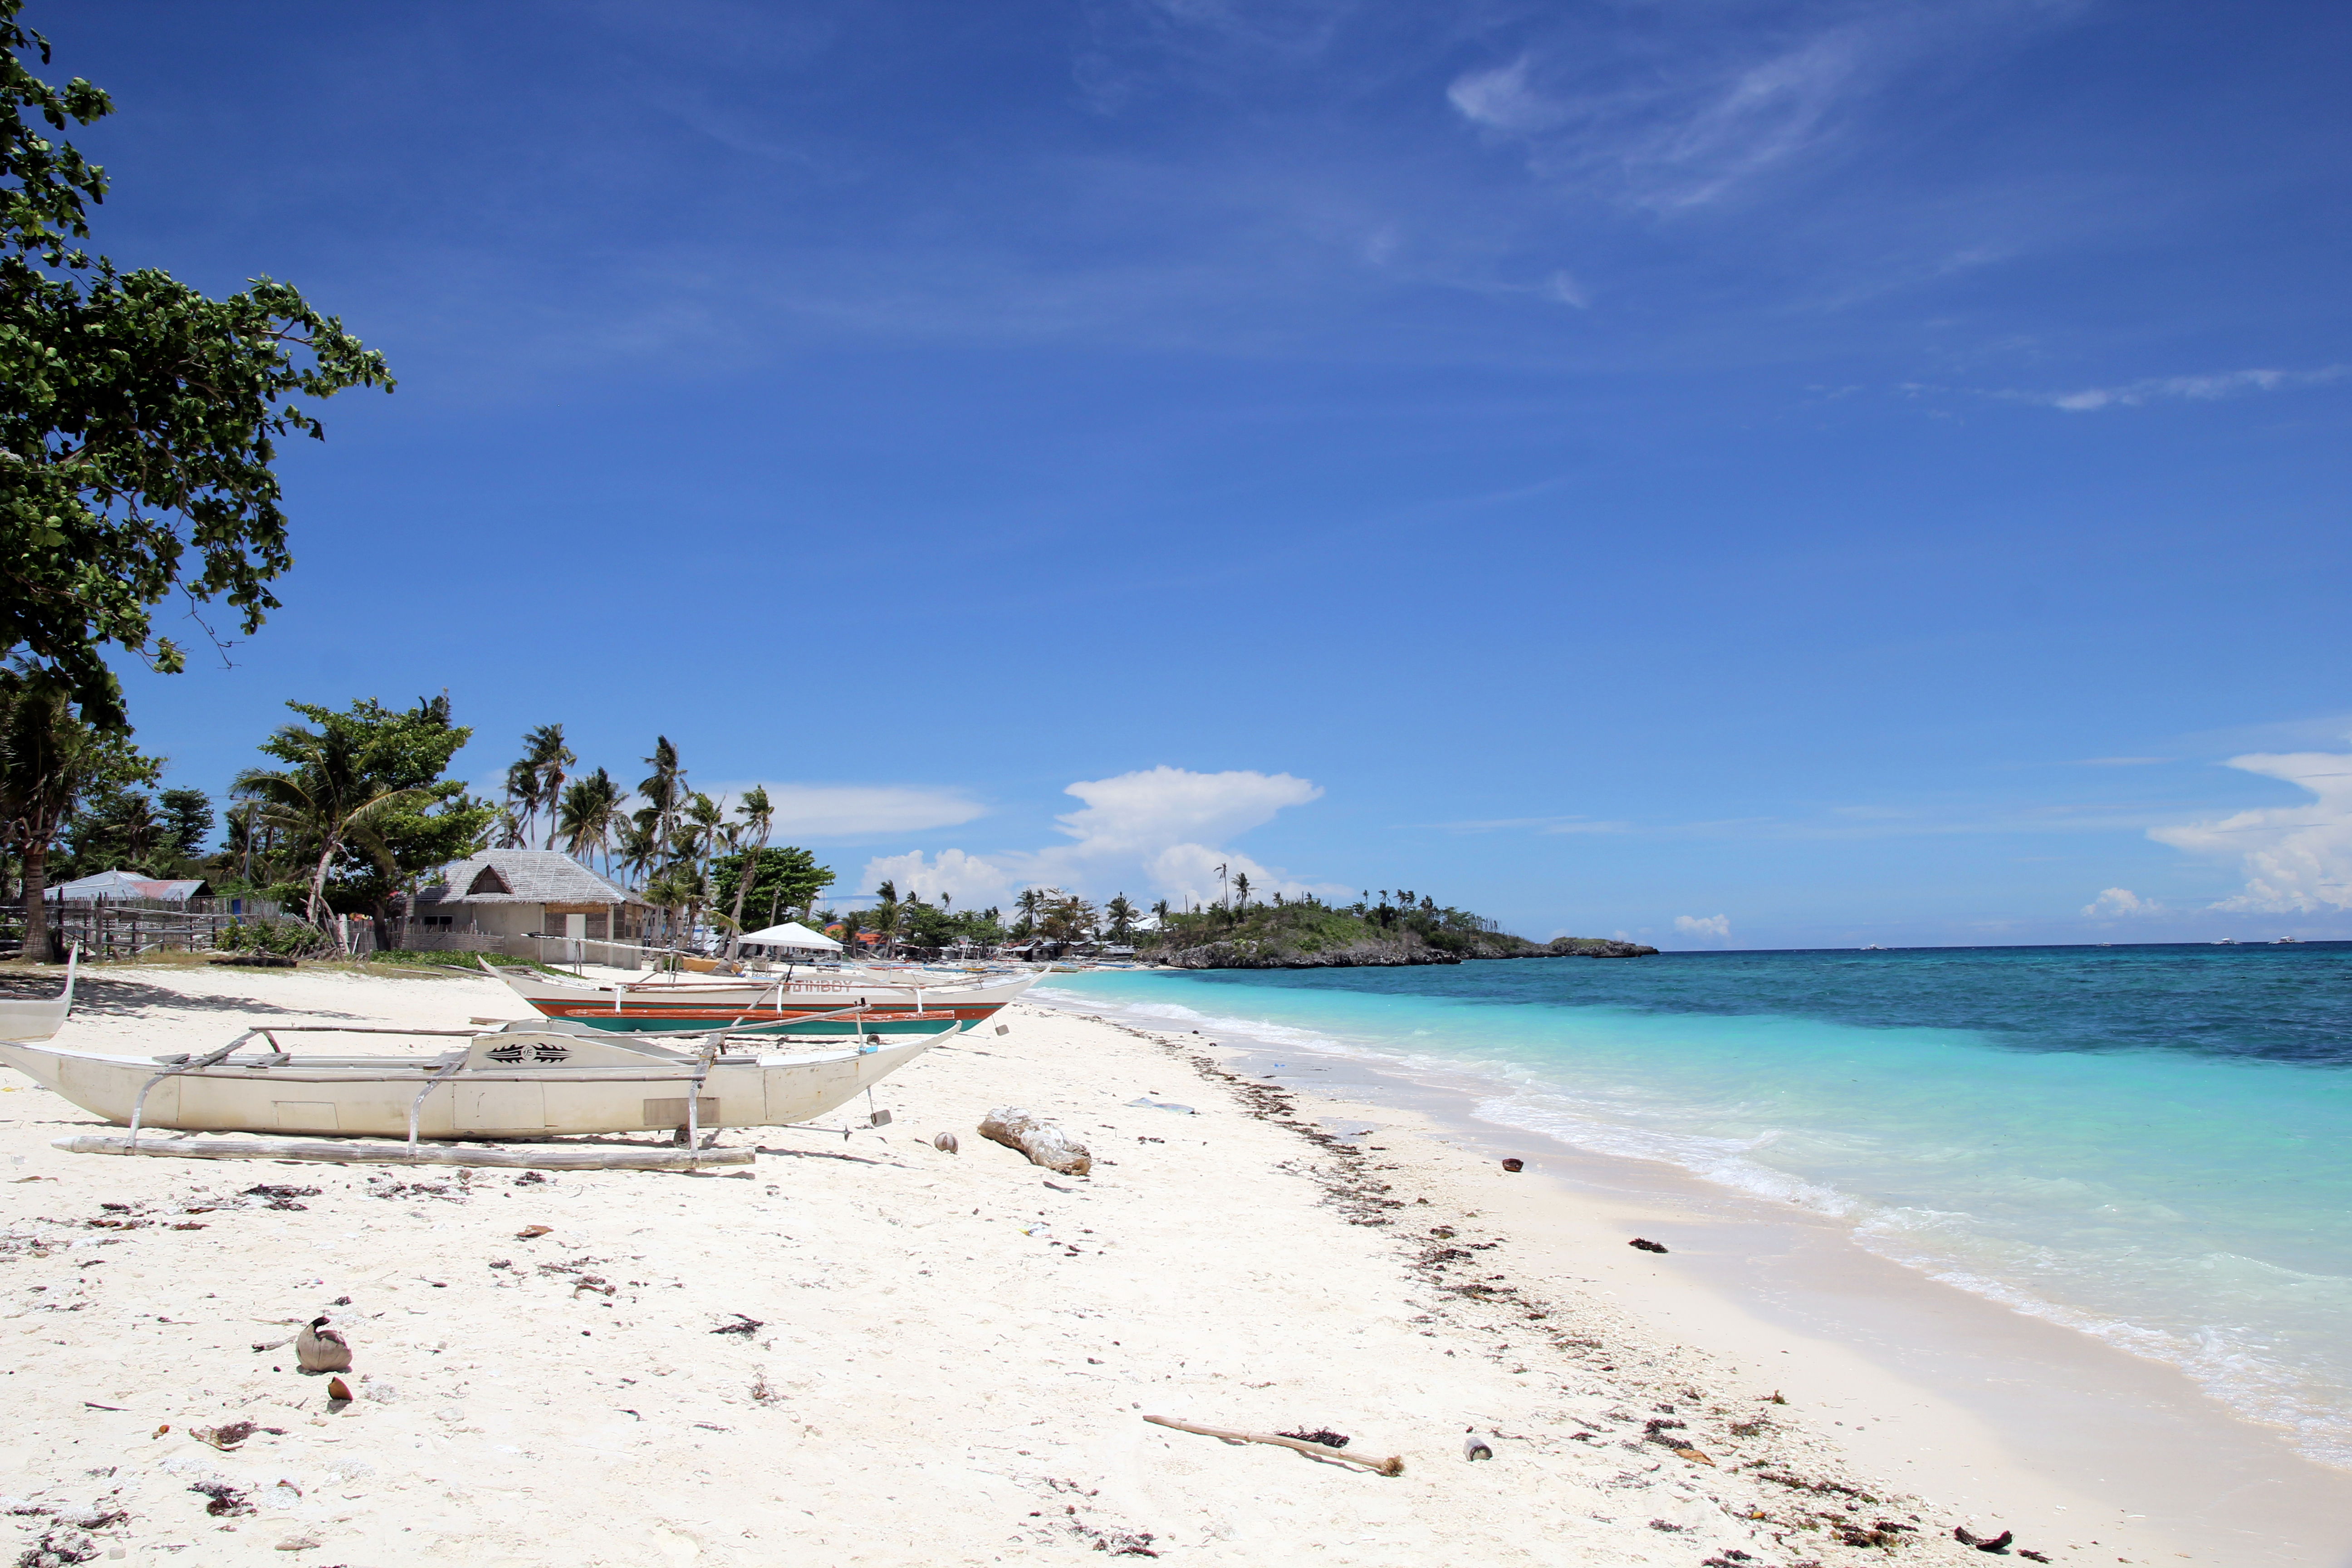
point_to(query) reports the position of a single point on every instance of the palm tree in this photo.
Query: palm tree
(759, 815)
(664, 789)
(1121, 916)
(639, 849)
(589, 809)
(512, 829)
(1241, 888)
(884, 918)
(697, 839)
(326, 799)
(675, 889)
(1160, 910)
(546, 757)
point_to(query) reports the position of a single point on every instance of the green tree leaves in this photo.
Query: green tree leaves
(139, 418)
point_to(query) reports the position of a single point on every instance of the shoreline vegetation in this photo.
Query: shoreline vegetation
(1307, 933)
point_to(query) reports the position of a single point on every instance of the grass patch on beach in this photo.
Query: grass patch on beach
(451, 962)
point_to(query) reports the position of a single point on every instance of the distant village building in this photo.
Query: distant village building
(129, 885)
(531, 892)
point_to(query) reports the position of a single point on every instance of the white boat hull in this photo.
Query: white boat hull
(826, 994)
(39, 1020)
(503, 1086)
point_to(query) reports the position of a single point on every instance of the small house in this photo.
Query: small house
(531, 892)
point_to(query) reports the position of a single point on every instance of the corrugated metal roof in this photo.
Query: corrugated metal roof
(129, 885)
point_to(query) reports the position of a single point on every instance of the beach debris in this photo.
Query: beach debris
(876, 1119)
(2035, 1556)
(1007, 1028)
(299, 1544)
(225, 1437)
(945, 1143)
(530, 1179)
(1644, 1243)
(1147, 1103)
(1695, 1455)
(322, 1349)
(226, 1501)
(1391, 1466)
(742, 1325)
(1883, 1533)
(59, 1544)
(1515, 1165)
(1046, 1143)
(338, 1391)
(281, 1197)
(527, 1232)
(1475, 1447)
(1967, 1537)
(1668, 1526)
(1322, 1434)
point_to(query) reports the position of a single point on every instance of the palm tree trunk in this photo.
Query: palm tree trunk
(38, 948)
(743, 886)
(318, 892)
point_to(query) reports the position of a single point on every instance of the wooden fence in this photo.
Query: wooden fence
(125, 928)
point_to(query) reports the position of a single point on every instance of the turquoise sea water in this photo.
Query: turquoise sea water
(2150, 1144)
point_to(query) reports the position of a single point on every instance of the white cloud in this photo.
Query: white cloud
(2193, 388)
(1569, 291)
(1718, 927)
(970, 881)
(2120, 901)
(2296, 859)
(1165, 804)
(1157, 831)
(823, 811)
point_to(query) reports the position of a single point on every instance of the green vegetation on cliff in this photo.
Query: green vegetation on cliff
(1309, 933)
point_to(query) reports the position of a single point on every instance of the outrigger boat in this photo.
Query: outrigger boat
(514, 1083)
(780, 1002)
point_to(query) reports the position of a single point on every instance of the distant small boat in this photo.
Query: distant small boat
(2227, 941)
(2285, 941)
(1871, 947)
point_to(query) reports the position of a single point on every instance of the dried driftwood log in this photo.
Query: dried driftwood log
(1046, 1143)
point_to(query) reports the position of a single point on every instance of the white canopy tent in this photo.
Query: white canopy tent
(791, 933)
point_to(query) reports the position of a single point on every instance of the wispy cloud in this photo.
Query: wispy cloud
(1716, 928)
(2191, 388)
(1665, 140)
(2296, 859)
(1599, 103)
(1534, 824)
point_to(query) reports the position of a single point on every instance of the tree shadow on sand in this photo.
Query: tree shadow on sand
(105, 997)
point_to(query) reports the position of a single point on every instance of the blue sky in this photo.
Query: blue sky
(1737, 474)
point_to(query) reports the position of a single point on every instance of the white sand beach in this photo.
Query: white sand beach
(863, 1350)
